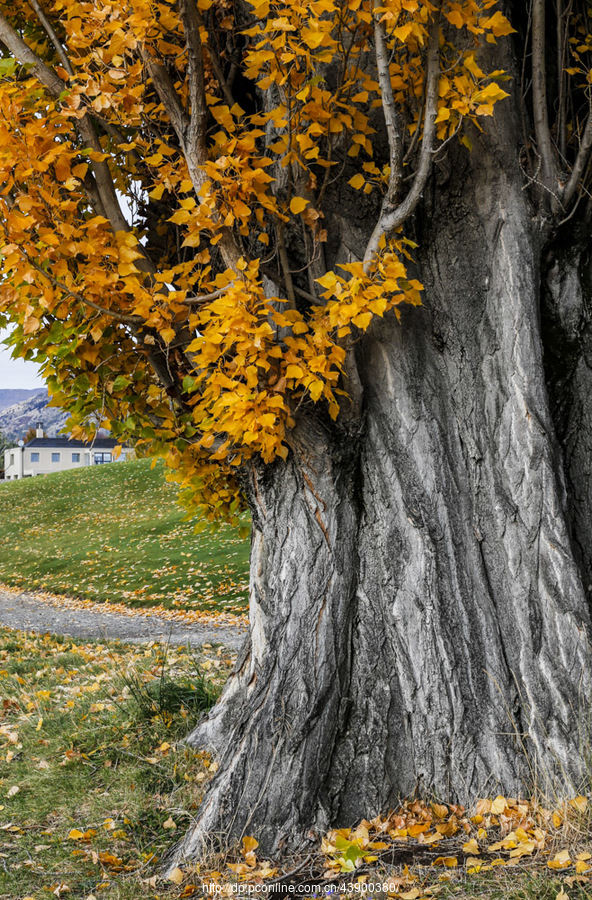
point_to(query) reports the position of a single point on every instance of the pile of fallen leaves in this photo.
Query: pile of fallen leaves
(424, 850)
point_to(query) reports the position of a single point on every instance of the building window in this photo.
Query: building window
(55, 457)
(102, 458)
(12, 459)
(76, 457)
(34, 457)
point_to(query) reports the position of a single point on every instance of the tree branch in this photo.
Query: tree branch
(561, 132)
(217, 68)
(201, 299)
(113, 313)
(278, 280)
(391, 117)
(51, 33)
(169, 98)
(389, 221)
(25, 55)
(580, 163)
(190, 128)
(195, 134)
(539, 96)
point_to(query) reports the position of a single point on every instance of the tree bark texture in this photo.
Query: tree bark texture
(419, 622)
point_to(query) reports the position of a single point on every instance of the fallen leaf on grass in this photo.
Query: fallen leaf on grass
(561, 860)
(176, 876)
(471, 847)
(579, 803)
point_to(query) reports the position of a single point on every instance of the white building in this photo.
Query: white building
(42, 455)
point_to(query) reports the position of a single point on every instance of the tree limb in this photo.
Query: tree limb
(277, 279)
(51, 33)
(113, 313)
(201, 299)
(190, 128)
(389, 221)
(217, 68)
(165, 89)
(539, 96)
(580, 163)
(391, 117)
(195, 133)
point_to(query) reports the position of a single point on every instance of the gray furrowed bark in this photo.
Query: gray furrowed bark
(418, 618)
(278, 719)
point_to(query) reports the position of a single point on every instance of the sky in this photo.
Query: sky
(16, 373)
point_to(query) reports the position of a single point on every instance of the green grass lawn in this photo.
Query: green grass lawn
(93, 785)
(116, 533)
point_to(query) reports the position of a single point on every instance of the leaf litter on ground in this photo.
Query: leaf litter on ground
(96, 785)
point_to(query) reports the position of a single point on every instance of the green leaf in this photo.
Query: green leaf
(7, 67)
(121, 382)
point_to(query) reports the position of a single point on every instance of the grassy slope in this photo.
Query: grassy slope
(115, 532)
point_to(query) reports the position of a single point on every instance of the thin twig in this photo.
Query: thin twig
(200, 299)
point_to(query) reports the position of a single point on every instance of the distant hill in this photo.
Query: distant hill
(16, 395)
(17, 416)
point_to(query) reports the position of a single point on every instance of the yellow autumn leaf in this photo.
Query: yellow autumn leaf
(451, 862)
(471, 847)
(75, 835)
(498, 25)
(357, 181)
(249, 844)
(440, 810)
(498, 805)
(176, 876)
(293, 371)
(561, 860)
(525, 848)
(298, 204)
(167, 334)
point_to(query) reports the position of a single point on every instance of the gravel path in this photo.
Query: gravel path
(25, 612)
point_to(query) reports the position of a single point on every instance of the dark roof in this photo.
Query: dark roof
(66, 443)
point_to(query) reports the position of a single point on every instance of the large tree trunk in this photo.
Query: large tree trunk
(419, 621)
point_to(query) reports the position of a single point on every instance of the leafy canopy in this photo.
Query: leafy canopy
(168, 171)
